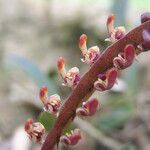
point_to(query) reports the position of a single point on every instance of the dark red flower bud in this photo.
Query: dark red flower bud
(145, 17)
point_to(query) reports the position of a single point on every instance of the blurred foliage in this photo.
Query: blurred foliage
(48, 120)
(32, 71)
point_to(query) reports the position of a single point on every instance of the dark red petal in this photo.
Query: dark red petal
(111, 76)
(129, 54)
(74, 138)
(100, 86)
(92, 106)
(146, 38)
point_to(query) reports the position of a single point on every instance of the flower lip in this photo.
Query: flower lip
(106, 80)
(88, 108)
(145, 17)
(72, 138)
(125, 58)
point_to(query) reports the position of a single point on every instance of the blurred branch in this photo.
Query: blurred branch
(97, 134)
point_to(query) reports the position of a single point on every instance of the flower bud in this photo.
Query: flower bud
(43, 94)
(82, 43)
(106, 80)
(88, 108)
(145, 17)
(35, 130)
(61, 66)
(125, 58)
(146, 40)
(72, 138)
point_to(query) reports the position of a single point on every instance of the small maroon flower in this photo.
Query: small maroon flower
(106, 80)
(51, 103)
(35, 130)
(125, 58)
(72, 77)
(72, 138)
(115, 33)
(89, 55)
(145, 17)
(88, 108)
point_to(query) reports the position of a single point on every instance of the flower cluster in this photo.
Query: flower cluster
(114, 33)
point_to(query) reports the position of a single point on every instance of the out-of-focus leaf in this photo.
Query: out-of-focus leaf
(128, 147)
(131, 78)
(48, 120)
(114, 118)
(32, 70)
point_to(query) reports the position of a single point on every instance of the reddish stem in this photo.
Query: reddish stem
(85, 86)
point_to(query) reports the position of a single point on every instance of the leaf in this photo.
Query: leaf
(48, 120)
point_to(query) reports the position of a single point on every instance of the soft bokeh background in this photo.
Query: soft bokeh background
(33, 34)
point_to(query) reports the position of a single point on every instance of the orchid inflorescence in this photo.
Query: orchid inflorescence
(105, 80)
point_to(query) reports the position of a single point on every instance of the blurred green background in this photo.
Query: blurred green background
(33, 34)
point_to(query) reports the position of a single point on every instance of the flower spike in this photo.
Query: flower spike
(72, 138)
(89, 55)
(35, 130)
(125, 58)
(72, 77)
(114, 33)
(107, 80)
(88, 108)
(51, 103)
